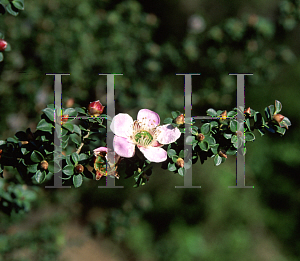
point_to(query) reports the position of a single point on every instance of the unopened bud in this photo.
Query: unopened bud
(222, 153)
(23, 142)
(224, 115)
(95, 108)
(180, 162)
(3, 45)
(79, 169)
(64, 118)
(248, 110)
(278, 117)
(44, 164)
(200, 137)
(179, 119)
(239, 134)
(1, 151)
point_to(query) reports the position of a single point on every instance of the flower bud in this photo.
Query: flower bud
(44, 164)
(224, 115)
(64, 118)
(239, 134)
(79, 169)
(3, 45)
(179, 119)
(200, 137)
(222, 153)
(180, 162)
(278, 117)
(70, 102)
(248, 110)
(1, 151)
(95, 108)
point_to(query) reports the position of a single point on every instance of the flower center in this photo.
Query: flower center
(143, 138)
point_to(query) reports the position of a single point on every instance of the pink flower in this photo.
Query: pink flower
(145, 132)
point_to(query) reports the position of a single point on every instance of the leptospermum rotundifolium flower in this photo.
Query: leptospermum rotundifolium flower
(145, 133)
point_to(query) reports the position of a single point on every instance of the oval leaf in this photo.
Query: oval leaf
(36, 156)
(40, 176)
(77, 180)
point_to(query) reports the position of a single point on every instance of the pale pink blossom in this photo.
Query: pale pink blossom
(145, 133)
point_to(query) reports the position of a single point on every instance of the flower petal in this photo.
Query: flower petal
(154, 154)
(123, 147)
(121, 125)
(151, 117)
(100, 149)
(168, 134)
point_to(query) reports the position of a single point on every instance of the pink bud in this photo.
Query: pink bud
(95, 108)
(3, 45)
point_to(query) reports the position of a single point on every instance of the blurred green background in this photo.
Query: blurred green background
(149, 42)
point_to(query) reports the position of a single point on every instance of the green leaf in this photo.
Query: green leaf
(214, 124)
(211, 112)
(248, 124)
(68, 170)
(40, 176)
(19, 4)
(171, 166)
(70, 111)
(231, 152)
(205, 128)
(77, 180)
(32, 168)
(249, 136)
(231, 114)
(83, 157)
(49, 113)
(10, 139)
(36, 156)
(174, 158)
(267, 112)
(168, 120)
(75, 157)
(171, 153)
(10, 10)
(24, 151)
(77, 130)
(233, 125)
(217, 160)
(1, 56)
(80, 110)
(181, 171)
(204, 145)
(181, 154)
(227, 136)
(278, 106)
(190, 140)
(210, 140)
(188, 164)
(214, 148)
(281, 130)
(74, 137)
(69, 126)
(43, 125)
(174, 114)
(271, 107)
(51, 167)
(68, 160)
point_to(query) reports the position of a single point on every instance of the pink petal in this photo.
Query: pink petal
(123, 147)
(150, 116)
(98, 150)
(154, 154)
(121, 125)
(168, 134)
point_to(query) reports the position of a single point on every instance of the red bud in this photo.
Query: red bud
(200, 137)
(79, 168)
(278, 117)
(44, 164)
(3, 45)
(95, 108)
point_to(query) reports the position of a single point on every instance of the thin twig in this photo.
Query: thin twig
(81, 145)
